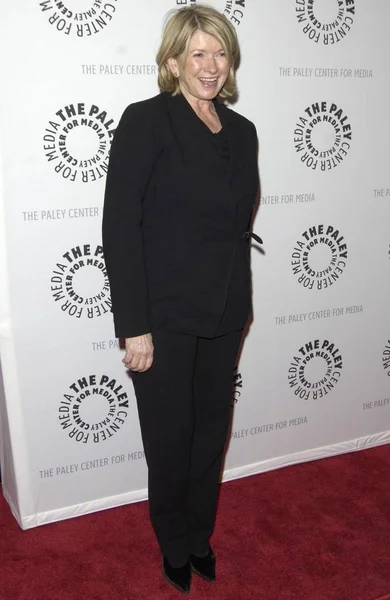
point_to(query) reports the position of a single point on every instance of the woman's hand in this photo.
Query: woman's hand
(139, 353)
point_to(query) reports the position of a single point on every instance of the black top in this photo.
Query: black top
(221, 144)
(178, 201)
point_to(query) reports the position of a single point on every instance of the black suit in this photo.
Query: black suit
(174, 217)
(178, 203)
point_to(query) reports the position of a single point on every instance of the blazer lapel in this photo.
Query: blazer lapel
(188, 130)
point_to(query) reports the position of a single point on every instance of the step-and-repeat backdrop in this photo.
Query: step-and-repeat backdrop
(313, 378)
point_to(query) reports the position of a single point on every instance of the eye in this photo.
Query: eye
(198, 54)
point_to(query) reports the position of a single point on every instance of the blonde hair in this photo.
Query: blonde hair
(178, 30)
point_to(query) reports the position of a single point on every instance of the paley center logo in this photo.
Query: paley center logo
(232, 9)
(79, 282)
(319, 257)
(77, 142)
(322, 136)
(63, 17)
(237, 385)
(315, 370)
(386, 358)
(325, 22)
(93, 409)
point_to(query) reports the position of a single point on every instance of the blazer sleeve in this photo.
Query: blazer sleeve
(132, 158)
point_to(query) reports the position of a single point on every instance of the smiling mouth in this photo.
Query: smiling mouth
(208, 79)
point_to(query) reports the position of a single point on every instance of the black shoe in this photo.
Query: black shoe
(179, 577)
(204, 566)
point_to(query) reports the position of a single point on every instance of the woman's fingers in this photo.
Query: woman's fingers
(141, 363)
(137, 363)
(148, 364)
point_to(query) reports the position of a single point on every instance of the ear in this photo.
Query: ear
(173, 67)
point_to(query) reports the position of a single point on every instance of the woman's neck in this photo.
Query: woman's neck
(200, 106)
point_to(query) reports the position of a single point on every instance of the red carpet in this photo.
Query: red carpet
(316, 531)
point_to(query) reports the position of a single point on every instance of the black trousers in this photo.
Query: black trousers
(184, 403)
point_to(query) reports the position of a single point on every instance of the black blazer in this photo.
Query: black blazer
(174, 219)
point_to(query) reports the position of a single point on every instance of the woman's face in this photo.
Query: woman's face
(204, 71)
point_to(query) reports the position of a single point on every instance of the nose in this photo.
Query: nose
(211, 65)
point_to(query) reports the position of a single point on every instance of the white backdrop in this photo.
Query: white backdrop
(313, 378)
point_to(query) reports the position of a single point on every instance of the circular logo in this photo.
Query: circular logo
(322, 136)
(80, 284)
(77, 142)
(316, 369)
(79, 18)
(234, 10)
(386, 358)
(93, 409)
(319, 257)
(325, 21)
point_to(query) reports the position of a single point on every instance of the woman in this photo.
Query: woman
(180, 191)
